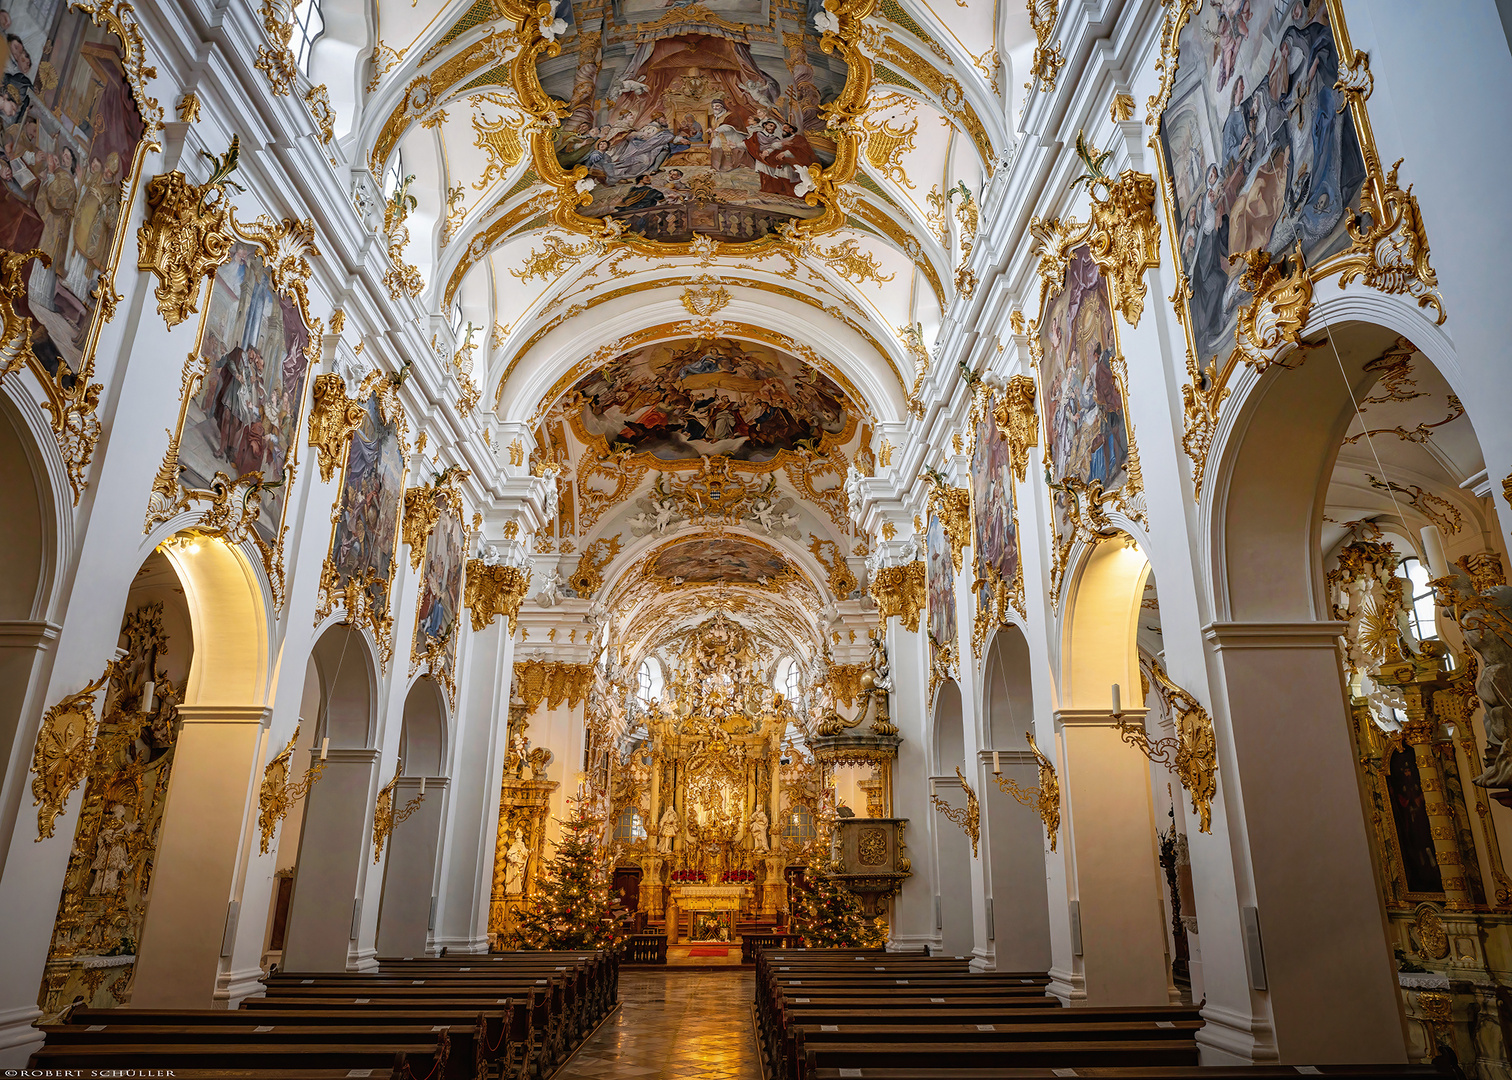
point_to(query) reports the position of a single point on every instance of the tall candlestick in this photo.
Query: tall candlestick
(1433, 551)
(1117, 705)
(325, 747)
(932, 790)
(422, 785)
(997, 768)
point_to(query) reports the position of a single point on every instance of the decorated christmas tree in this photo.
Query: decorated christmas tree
(829, 916)
(572, 907)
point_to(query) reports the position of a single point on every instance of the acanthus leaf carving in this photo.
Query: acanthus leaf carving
(1018, 420)
(494, 590)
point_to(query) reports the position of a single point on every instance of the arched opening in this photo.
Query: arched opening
(1335, 466)
(1020, 912)
(29, 533)
(1110, 841)
(193, 878)
(333, 838)
(405, 918)
(952, 845)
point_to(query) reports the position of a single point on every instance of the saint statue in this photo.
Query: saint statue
(111, 853)
(1488, 633)
(515, 858)
(759, 823)
(666, 831)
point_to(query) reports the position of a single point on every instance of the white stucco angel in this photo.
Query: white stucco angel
(666, 831)
(515, 858)
(556, 588)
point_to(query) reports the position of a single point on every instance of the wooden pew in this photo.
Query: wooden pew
(419, 1059)
(1169, 1072)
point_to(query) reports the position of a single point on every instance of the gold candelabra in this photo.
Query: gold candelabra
(386, 818)
(968, 817)
(1045, 798)
(277, 794)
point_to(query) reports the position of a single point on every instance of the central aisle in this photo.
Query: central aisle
(674, 1024)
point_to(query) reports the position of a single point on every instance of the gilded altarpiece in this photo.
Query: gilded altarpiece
(107, 885)
(1272, 184)
(77, 123)
(524, 807)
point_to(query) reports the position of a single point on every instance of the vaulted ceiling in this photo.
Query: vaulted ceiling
(607, 195)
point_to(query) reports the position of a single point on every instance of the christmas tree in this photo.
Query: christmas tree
(829, 916)
(572, 906)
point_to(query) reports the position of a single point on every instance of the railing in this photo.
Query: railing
(646, 949)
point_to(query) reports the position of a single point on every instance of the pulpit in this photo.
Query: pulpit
(713, 908)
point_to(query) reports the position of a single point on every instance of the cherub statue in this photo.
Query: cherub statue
(556, 588)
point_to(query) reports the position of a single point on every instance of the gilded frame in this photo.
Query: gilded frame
(72, 413)
(1389, 224)
(988, 580)
(331, 593)
(944, 663)
(284, 247)
(434, 656)
(544, 114)
(1087, 512)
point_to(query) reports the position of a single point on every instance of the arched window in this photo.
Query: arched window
(798, 826)
(1420, 594)
(456, 317)
(628, 827)
(309, 24)
(650, 679)
(786, 680)
(394, 176)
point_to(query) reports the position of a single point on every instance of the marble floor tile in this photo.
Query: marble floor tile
(674, 1026)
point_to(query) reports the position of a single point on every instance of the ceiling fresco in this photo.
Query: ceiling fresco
(708, 560)
(694, 117)
(685, 399)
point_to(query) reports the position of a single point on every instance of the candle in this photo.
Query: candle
(1433, 551)
(996, 765)
(422, 785)
(325, 747)
(149, 692)
(932, 790)
(1117, 706)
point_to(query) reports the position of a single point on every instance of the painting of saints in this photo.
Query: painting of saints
(717, 91)
(1085, 419)
(69, 131)
(441, 586)
(244, 417)
(1409, 811)
(940, 574)
(1259, 148)
(685, 399)
(994, 525)
(372, 490)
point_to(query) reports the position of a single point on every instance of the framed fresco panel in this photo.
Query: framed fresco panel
(75, 126)
(244, 391)
(708, 120)
(940, 587)
(1090, 454)
(994, 517)
(1271, 183)
(438, 615)
(359, 568)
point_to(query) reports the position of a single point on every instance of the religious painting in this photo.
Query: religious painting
(1259, 148)
(994, 519)
(700, 117)
(70, 131)
(711, 560)
(365, 540)
(1409, 813)
(692, 398)
(940, 584)
(436, 618)
(244, 417)
(1087, 436)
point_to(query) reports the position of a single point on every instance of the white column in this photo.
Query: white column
(1300, 828)
(913, 909)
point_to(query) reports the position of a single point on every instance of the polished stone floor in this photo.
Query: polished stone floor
(674, 1025)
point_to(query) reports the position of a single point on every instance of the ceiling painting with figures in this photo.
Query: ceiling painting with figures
(694, 118)
(683, 400)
